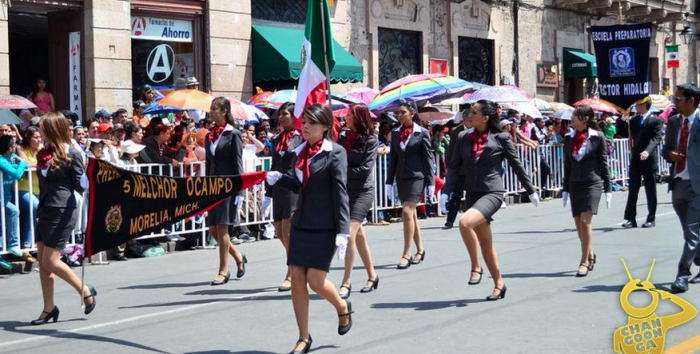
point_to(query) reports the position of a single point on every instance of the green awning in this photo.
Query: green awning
(578, 63)
(277, 56)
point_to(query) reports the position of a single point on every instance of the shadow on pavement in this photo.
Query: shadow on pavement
(567, 274)
(287, 297)
(222, 291)
(164, 286)
(599, 288)
(14, 326)
(426, 305)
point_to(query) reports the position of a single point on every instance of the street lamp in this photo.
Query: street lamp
(687, 35)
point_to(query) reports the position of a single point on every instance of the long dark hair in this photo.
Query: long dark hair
(224, 103)
(6, 142)
(320, 114)
(35, 90)
(411, 107)
(488, 108)
(585, 111)
(363, 120)
(289, 107)
(130, 128)
(28, 136)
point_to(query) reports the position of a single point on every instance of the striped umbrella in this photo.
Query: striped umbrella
(558, 106)
(661, 102)
(15, 102)
(598, 105)
(260, 100)
(421, 89)
(364, 94)
(499, 94)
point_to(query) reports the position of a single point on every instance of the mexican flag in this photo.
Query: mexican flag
(312, 80)
(672, 56)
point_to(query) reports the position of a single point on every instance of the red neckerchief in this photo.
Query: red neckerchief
(43, 158)
(285, 138)
(577, 141)
(478, 141)
(350, 138)
(303, 160)
(405, 133)
(216, 132)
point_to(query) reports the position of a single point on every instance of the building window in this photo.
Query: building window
(476, 60)
(288, 11)
(399, 55)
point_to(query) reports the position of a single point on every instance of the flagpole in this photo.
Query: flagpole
(325, 53)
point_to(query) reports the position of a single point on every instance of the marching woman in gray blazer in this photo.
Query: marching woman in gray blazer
(224, 157)
(478, 156)
(586, 175)
(321, 220)
(283, 145)
(60, 168)
(411, 163)
(361, 146)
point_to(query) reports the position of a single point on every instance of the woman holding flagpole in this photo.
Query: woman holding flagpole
(411, 163)
(361, 146)
(60, 169)
(320, 223)
(224, 157)
(283, 145)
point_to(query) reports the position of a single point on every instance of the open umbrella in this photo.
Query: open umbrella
(558, 106)
(155, 108)
(527, 108)
(542, 105)
(254, 114)
(431, 113)
(364, 94)
(661, 102)
(421, 89)
(15, 102)
(260, 100)
(564, 114)
(598, 105)
(188, 99)
(499, 94)
(7, 117)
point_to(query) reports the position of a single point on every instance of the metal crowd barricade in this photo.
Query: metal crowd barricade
(251, 212)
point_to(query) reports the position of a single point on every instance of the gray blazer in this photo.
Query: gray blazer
(484, 174)
(593, 167)
(323, 204)
(361, 161)
(673, 130)
(416, 161)
(228, 160)
(56, 189)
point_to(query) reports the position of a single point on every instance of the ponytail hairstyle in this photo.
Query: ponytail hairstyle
(585, 111)
(411, 107)
(488, 108)
(225, 104)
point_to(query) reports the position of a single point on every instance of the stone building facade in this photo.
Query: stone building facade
(494, 42)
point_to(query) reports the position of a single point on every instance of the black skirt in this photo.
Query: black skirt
(411, 190)
(283, 203)
(486, 203)
(224, 213)
(55, 226)
(361, 201)
(311, 248)
(585, 197)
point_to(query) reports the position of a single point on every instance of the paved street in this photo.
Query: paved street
(165, 304)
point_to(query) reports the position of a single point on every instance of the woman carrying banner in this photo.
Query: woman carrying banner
(224, 149)
(361, 146)
(410, 161)
(283, 145)
(60, 168)
(320, 221)
(586, 175)
(479, 156)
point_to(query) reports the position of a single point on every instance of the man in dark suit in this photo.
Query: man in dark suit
(682, 149)
(646, 133)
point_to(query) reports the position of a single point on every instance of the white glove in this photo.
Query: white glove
(341, 241)
(238, 201)
(431, 191)
(565, 198)
(443, 202)
(84, 181)
(273, 177)
(390, 192)
(608, 200)
(535, 199)
(267, 201)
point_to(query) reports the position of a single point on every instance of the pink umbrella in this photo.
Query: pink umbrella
(666, 113)
(598, 105)
(364, 94)
(15, 102)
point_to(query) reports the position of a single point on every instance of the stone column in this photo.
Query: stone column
(4, 50)
(228, 60)
(107, 55)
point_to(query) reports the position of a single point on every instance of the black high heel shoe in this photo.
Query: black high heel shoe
(477, 280)
(501, 294)
(415, 259)
(345, 329)
(374, 286)
(241, 272)
(93, 294)
(53, 315)
(591, 262)
(306, 348)
(580, 274)
(346, 295)
(404, 266)
(226, 276)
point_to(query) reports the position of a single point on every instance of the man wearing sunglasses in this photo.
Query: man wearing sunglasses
(682, 149)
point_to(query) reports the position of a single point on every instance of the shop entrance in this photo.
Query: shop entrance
(38, 45)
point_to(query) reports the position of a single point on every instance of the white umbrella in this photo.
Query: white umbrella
(527, 108)
(564, 114)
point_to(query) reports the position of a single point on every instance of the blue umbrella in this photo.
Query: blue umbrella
(7, 117)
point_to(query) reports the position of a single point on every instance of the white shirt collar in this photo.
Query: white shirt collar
(591, 132)
(326, 146)
(416, 127)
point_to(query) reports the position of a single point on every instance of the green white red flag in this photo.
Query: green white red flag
(672, 58)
